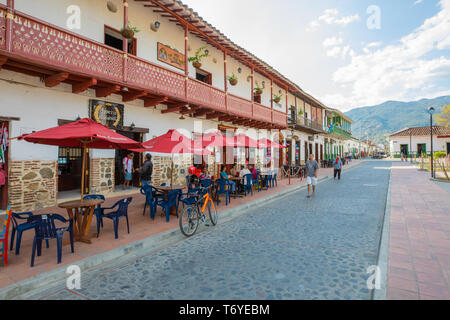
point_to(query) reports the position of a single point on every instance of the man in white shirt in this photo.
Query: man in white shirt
(128, 170)
(244, 171)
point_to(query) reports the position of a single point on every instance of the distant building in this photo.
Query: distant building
(417, 141)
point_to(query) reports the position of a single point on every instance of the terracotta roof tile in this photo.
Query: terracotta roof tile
(422, 131)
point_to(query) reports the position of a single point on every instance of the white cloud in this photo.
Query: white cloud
(333, 41)
(402, 71)
(331, 16)
(374, 44)
(418, 1)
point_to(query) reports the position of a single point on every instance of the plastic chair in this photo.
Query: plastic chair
(248, 184)
(172, 201)
(120, 212)
(151, 197)
(98, 212)
(46, 230)
(224, 188)
(20, 228)
(265, 182)
(274, 180)
(256, 183)
(4, 236)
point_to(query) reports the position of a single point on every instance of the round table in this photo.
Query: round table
(83, 222)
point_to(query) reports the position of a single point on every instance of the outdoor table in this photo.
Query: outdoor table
(166, 190)
(238, 181)
(83, 222)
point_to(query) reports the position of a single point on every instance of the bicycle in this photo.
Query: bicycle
(192, 215)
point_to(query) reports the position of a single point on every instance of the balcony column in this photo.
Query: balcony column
(125, 41)
(9, 23)
(252, 98)
(271, 99)
(186, 64)
(225, 85)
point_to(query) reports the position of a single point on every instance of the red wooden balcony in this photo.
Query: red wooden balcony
(50, 51)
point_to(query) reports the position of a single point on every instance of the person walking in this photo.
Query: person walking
(128, 170)
(146, 170)
(312, 172)
(337, 168)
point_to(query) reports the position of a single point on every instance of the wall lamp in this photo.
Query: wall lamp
(155, 26)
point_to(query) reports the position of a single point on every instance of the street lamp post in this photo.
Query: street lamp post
(431, 111)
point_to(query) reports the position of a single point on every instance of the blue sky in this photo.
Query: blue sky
(327, 48)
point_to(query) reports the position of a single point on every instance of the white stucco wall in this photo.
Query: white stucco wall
(439, 144)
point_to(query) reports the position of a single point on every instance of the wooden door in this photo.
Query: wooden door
(4, 126)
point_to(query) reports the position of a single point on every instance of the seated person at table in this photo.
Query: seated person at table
(224, 175)
(233, 171)
(254, 172)
(204, 174)
(244, 171)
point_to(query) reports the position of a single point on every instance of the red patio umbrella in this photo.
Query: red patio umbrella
(84, 133)
(173, 142)
(243, 140)
(215, 139)
(266, 143)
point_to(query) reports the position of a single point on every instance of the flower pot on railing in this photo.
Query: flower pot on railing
(258, 92)
(277, 100)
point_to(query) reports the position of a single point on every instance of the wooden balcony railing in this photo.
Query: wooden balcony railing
(239, 106)
(38, 42)
(304, 122)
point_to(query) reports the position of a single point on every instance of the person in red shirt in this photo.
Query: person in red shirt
(3, 176)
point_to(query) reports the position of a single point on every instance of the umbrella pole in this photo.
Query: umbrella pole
(171, 174)
(83, 172)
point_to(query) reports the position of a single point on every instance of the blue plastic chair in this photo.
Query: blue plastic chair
(151, 197)
(98, 212)
(20, 228)
(120, 212)
(269, 181)
(274, 180)
(172, 201)
(46, 230)
(256, 183)
(265, 182)
(248, 178)
(224, 188)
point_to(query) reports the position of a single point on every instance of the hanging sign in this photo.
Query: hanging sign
(106, 113)
(171, 56)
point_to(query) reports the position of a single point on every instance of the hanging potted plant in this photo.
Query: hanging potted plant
(233, 80)
(129, 31)
(277, 98)
(199, 55)
(258, 90)
(300, 113)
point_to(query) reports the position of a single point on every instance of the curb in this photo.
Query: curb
(383, 251)
(27, 287)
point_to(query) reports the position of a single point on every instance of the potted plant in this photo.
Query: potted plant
(277, 98)
(258, 90)
(197, 58)
(129, 31)
(233, 80)
(300, 112)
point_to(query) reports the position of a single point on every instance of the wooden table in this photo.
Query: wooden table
(166, 190)
(238, 181)
(83, 222)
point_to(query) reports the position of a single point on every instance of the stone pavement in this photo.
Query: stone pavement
(141, 227)
(419, 249)
(291, 248)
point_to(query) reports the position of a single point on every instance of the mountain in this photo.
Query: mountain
(378, 122)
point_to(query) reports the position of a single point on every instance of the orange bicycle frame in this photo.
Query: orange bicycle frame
(207, 199)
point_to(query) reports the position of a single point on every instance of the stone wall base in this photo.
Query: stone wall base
(101, 176)
(33, 185)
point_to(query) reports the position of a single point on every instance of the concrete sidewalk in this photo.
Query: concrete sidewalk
(419, 243)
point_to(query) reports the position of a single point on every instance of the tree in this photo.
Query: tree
(443, 119)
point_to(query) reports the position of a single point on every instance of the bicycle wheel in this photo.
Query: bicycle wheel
(213, 216)
(189, 221)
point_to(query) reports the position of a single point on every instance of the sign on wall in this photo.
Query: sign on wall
(106, 113)
(171, 56)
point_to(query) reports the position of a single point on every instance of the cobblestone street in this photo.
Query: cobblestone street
(292, 248)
